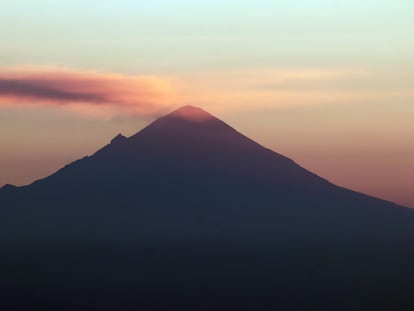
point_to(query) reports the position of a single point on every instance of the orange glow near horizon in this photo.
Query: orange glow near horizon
(350, 126)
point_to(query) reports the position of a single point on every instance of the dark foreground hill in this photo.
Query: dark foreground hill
(190, 214)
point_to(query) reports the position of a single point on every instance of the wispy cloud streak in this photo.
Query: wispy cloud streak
(29, 89)
(86, 90)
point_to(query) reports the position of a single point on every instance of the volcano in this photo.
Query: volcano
(190, 214)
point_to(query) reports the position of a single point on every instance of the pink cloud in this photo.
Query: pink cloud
(86, 91)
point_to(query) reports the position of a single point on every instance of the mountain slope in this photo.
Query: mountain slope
(190, 214)
(192, 173)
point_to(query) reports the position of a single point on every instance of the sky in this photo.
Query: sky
(327, 83)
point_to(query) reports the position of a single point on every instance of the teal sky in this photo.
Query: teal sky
(328, 83)
(191, 35)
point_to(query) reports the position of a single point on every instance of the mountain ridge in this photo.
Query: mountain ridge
(186, 122)
(188, 141)
(189, 214)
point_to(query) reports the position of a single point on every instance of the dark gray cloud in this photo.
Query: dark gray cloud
(29, 89)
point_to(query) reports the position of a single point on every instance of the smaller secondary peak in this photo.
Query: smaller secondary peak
(118, 138)
(8, 187)
(191, 113)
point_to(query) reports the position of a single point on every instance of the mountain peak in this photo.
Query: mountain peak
(118, 138)
(191, 125)
(191, 113)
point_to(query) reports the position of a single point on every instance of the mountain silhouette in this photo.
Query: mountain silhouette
(195, 214)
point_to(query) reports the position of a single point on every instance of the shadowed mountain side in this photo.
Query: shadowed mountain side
(190, 175)
(188, 214)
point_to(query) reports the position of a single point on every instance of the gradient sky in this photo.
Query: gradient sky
(327, 83)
